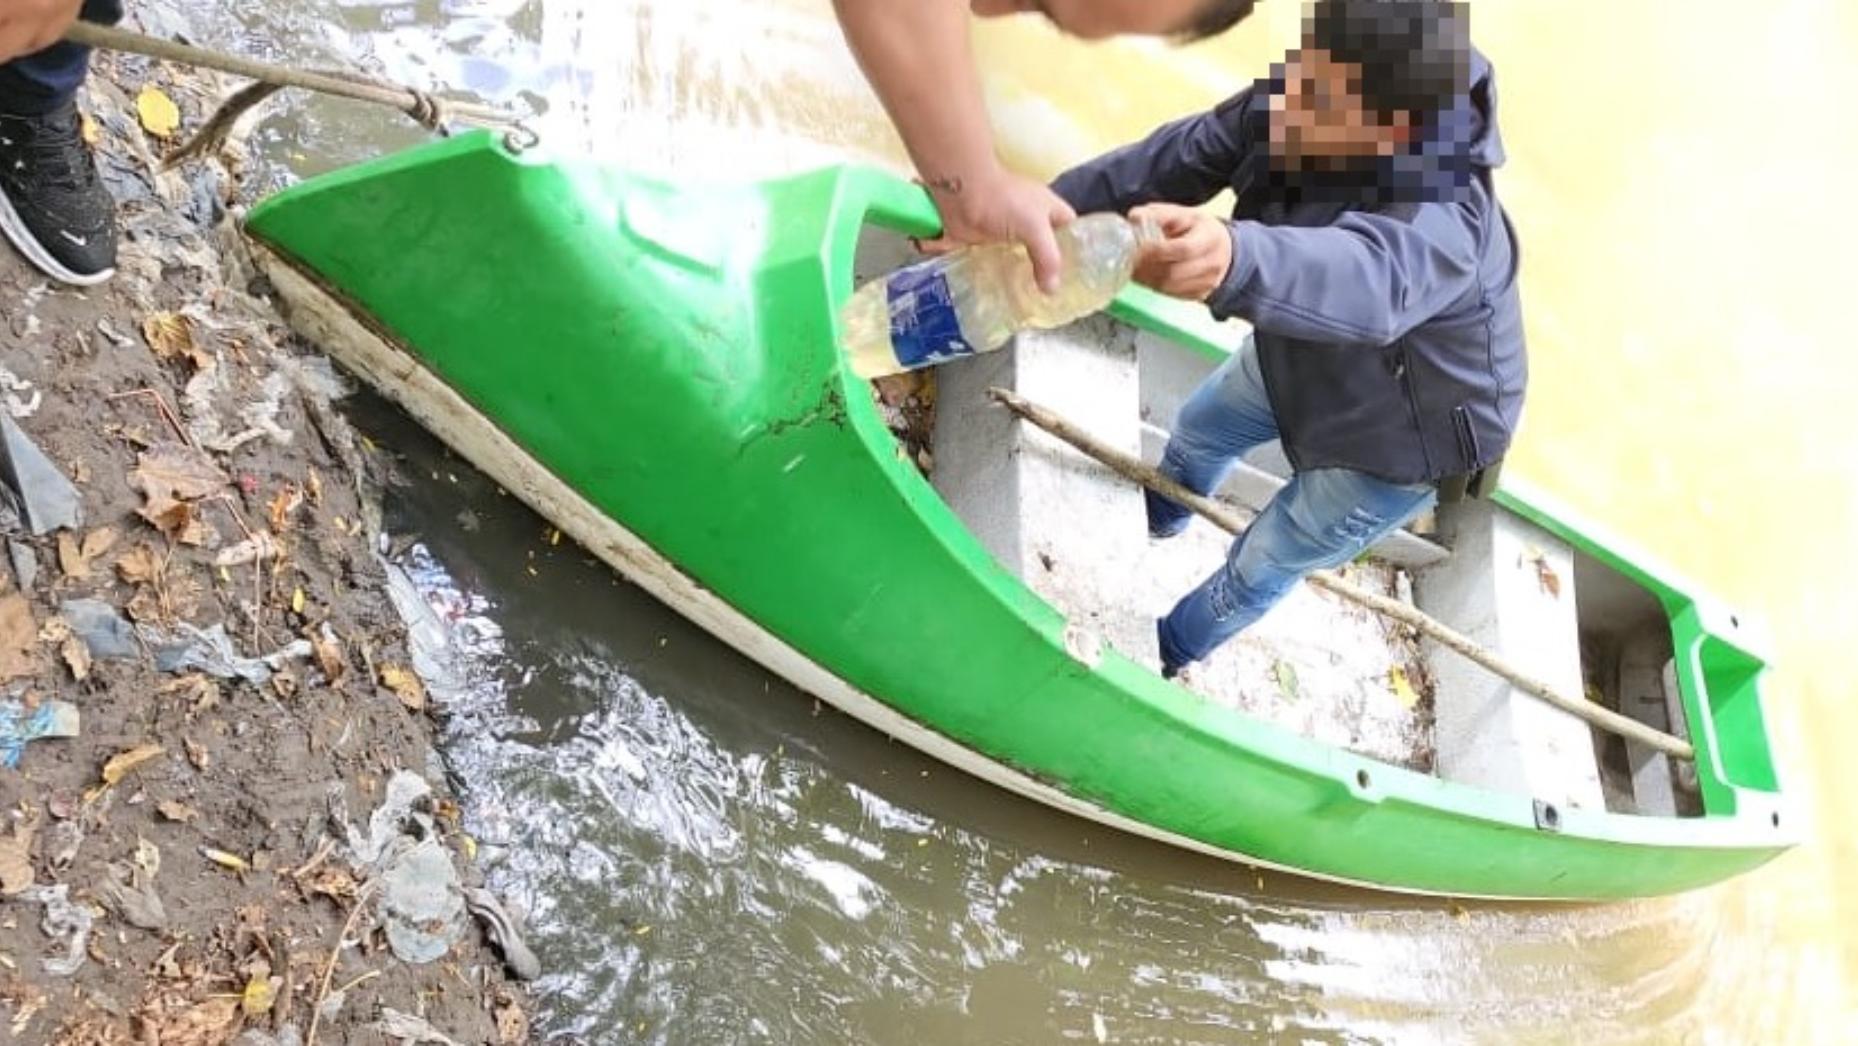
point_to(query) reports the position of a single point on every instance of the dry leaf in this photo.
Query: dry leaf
(210, 1023)
(197, 753)
(144, 607)
(158, 113)
(258, 995)
(282, 506)
(90, 130)
(328, 652)
(1545, 575)
(147, 857)
(175, 810)
(77, 656)
(405, 685)
(75, 558)
(169, 334)
(16, 858)
(225, 860)
(336, 883)
(178, 471)
(512, 1023)
(1402, 687)
(128, 759)
(138, 565)
(297, 600)
(18, 638)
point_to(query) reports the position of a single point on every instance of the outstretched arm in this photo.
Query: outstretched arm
(918, 58)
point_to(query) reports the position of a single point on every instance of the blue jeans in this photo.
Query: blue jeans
(35, 84)
(1321, 519)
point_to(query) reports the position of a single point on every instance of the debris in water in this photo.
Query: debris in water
(19, 725)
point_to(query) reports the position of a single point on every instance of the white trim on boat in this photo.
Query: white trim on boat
(321, 317)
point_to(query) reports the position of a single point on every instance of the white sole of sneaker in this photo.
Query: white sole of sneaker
(35, 252)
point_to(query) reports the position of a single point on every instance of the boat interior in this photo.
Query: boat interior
(1317, 665)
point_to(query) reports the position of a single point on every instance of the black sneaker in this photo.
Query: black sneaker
(52, 204)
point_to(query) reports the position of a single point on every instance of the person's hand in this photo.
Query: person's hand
(1003, 207)
(27, 26)
(1193, 258)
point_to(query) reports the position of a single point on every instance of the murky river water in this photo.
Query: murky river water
(709, 857)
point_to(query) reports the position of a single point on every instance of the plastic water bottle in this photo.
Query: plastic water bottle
(974, 299)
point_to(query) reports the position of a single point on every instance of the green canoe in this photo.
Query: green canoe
(655, 370)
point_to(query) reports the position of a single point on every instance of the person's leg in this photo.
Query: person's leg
(1226, 416)
(53, 207)
(36, 84)
(1323, 518)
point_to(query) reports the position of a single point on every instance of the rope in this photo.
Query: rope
(427, 110)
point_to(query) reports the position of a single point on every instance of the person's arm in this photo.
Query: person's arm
(1186, 162)
(1366, 279)
(919, 61)
(28, 26)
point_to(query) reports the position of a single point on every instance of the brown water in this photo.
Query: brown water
(709, 860)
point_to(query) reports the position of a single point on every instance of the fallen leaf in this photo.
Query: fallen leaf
(282, 506)
(328, 651)
(91, 132)
(77, 657)
(258, 996)
(175, 810)
(169, 335)
(158, 113)
(16, 858)
(405, 685)
(1286, 676)
(147, 857)
(225, 860)
(512, 1022)
(210, 1023)
(144, 606)
(75, 557)
(1545, 575)
(138, 565)
(128, 759)
(169, 476)
(197, 753)
(297, 601)
(1402, 687)
(18, 637)
(258, 546)
(336, 883)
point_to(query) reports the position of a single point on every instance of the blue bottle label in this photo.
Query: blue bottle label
(923, 326)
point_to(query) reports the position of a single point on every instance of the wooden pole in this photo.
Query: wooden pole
(1230, 521)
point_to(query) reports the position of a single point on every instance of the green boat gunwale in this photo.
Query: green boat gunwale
(815, 221)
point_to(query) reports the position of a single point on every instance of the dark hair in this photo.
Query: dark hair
(1217, 17)
(1414, 55)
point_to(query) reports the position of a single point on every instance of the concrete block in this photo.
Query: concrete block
(1490, 734)
(1071, 529)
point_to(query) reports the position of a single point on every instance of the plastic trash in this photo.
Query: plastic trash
(974, 299)
(20, 725)
(106, 633)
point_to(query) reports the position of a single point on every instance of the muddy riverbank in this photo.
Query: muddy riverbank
(249, 837)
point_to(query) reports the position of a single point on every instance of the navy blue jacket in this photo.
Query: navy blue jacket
(1383, 297)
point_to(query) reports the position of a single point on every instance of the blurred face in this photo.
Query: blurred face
(1097, 19)
(1321, 115)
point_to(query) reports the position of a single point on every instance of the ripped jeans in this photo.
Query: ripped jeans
(1321, 519)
